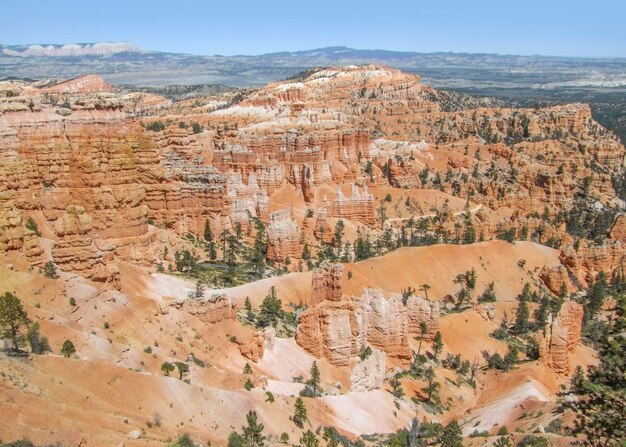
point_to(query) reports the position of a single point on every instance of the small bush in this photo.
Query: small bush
(155, 126)
(32, 226)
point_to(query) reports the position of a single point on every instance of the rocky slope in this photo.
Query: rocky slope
(360, 198)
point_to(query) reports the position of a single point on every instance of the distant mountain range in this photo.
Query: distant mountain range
(124, 63)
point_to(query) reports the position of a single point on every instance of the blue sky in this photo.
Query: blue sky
(549, 27)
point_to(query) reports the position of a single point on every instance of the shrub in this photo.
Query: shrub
(31, 225)
(68, 349)
(366, 351)
(50, 270)
(155, 126)
(197, 128)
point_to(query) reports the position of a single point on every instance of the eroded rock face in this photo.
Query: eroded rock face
(554, 278)
(322, 229)
(337, 330)
(359, 206)
(561, 337)
(618, 230)
(369, 374)
(420, 310)
(326, 283)
(383, 323)
(283, 236)
(76, 250)
(254, 348)
(212, 309)
(588, 260)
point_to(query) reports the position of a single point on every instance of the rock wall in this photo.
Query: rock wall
(75, 249)
(369, 374)
(212, 309)
(337, 330)
(326, 283)
(420, 310)
(283, 237)
(561, 337)
(359, 206)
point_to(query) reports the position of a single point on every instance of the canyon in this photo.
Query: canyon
(332, 219)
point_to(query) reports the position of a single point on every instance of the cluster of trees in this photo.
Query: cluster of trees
(16, 327)
(168, 367)
(422, 434)
(601, 392)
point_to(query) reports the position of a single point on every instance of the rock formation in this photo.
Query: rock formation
(254, 348)
(76, 250)
(369, 374)
(337, 330)
(326, 283)
(212, 309)
(420, 310)
(561, 337)
(323, 230)
(283, 236)
(554, 278)
(359, 206)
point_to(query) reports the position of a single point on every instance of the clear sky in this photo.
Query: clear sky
(548, 27)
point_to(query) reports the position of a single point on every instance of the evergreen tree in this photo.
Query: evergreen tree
(270, 310)
(489, 295)
(309, 439)
(452, 435)
(38, 344)
(253, 432)
(199, 290)
(208, 234)
(522, 318)
(167, 368)
(299, 415)
(68, 349)
(314, 381)
(50, 270)
(596, 294)
(339, 229)
(432, 387)
(13, 319)
(248, 307)
(437, 345)
(182, 368)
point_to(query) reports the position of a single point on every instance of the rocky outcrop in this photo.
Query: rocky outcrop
(359, 206)
(75, 249)
(369, 374)
(323, 230)
(283, 237)
(561, 337)
(421, 311)
(212, 309)
(554, 278)
(337, 330)
(246, 200)
(383, 323)
(326, 283)
(329, 330)
(254, 348)
(587, 261)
